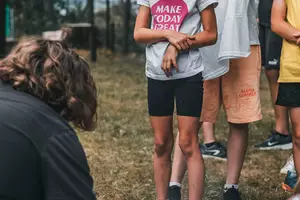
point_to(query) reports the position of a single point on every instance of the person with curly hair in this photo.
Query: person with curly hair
(43, 86)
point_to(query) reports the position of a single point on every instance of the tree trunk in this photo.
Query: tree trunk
(93, 48)
(107, 35)
(127, 13)
(2, 28)
(51, 18)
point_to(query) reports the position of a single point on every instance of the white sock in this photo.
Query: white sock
(228, 186)
(175, 184)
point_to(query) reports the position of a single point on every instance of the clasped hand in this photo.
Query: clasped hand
(178, 42)
(297, 35)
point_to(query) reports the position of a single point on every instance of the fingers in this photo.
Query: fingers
(187, 44)
(296, 34)
(192, 37)
(178, 46)
(168, 66)
(174, 63)
(190, 43)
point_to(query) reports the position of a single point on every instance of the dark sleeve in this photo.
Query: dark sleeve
(66, 175)
(19, 167)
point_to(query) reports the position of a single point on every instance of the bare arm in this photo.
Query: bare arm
(279, 23)
(143, 34)
(209, 35)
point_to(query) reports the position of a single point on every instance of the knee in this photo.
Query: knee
(163, 148)
(186, 146)
(296, 138)
(272, 75)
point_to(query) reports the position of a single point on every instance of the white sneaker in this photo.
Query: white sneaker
(289, 166)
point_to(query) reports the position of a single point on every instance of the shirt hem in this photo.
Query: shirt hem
(216, 74)
(289, 80)
(245, 121)
(163, 77)
(233, 55)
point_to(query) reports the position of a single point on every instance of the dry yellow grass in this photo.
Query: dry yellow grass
(120, 150)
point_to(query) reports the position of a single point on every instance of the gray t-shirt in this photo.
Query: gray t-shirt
(178, 15)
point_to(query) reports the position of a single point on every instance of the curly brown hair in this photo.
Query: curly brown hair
(52, 72)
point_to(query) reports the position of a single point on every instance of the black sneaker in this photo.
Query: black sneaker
(216, 151)
(174, 193)
(276, 141)
(232, 194)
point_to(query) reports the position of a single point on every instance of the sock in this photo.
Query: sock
(281, 135)
(228, 186)
(208, 145)
(174, 184)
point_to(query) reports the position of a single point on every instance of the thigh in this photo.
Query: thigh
(240, 89)
(295, 116)
(189, 96)
(160, 98)
(274, 45)
(211, 100)
(163, 129)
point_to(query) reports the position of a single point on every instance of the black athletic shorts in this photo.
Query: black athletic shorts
(188, 93)
(271, 45)
(288, 95)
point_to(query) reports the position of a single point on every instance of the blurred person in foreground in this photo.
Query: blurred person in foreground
(286, 23)
(271, 45)
(296, 195)
(43, 86)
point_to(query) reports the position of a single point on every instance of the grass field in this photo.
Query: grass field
(120, 150)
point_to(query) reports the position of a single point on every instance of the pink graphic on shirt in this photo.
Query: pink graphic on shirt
(168, 14)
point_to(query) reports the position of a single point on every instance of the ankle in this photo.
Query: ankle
(282, 132)
(210, 144)
(229, 186)
(174, 183)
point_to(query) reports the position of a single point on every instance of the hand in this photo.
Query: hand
(179, 40)
(169, 60)
(190, 40)
(297, 36)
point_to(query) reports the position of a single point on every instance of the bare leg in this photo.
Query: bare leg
(236, 151)
(208, 132)
(179, 163)
(188, 142)
(163, 146)
(281, 113)
(295, 116)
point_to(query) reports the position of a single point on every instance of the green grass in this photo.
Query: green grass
(120, 149)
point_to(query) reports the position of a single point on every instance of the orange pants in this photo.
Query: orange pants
(237, 90)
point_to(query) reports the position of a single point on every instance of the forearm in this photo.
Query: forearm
(148, 36)
(285, 30)
(204, 38)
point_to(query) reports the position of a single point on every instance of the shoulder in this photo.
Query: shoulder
(30, 117)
